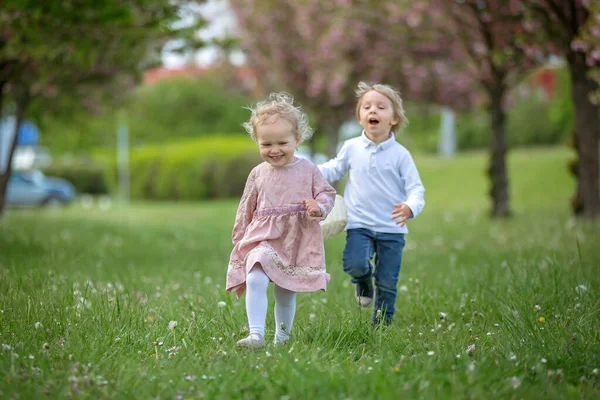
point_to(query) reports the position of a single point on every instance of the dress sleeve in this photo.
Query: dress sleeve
(246, 209)
(323, 193)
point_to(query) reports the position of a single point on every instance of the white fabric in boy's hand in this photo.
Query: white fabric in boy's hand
(336, 221)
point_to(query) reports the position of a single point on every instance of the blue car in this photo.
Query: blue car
(33, 188)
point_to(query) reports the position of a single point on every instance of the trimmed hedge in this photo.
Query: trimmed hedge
(87, 177)
(207, 168)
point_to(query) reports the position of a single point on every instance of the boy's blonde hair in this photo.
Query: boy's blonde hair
(279, 105)
(390, 93)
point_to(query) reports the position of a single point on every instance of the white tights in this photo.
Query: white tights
(257, 303)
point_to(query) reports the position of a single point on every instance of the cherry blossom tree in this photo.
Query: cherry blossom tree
(320, 50)
(490, 38)
(571, 28)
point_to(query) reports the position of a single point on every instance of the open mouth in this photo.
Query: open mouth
(373, 121)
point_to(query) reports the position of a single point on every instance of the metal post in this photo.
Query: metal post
(123, 159)
(447, 144)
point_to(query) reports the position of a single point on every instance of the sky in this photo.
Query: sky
(221, 23)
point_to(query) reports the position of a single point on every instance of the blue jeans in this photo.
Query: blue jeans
(361, 245)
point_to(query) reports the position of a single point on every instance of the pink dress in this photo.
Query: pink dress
(272, 227)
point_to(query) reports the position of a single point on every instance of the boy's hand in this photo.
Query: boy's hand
(313, 208)
(401, 213)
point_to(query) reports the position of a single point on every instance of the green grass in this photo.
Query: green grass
(85, 294)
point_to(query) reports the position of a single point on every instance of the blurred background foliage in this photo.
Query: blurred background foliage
(186, 133)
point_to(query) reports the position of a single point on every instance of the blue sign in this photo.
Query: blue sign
(29, 134)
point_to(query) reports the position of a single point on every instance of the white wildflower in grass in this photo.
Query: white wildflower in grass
(172, 325)
(595, 371)
(582, 288)
(537, 308)
(403, 288)
(544, 361)
(45, 346)
(267, 354)
(443, 316)
(430, 353)
(471, 349)
(38, 325)
(516, 382)
(221, 304)
(312, 316)
(6, 347)
(458, 356)
(512, 357)
(471, 367)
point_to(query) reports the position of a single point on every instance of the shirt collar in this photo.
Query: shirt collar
(384, 145)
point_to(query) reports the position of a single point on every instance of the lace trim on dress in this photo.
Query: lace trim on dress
(292, 270)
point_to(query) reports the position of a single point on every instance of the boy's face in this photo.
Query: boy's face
(376, 115)
(276, 142)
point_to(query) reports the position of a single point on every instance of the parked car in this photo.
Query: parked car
(33, 188)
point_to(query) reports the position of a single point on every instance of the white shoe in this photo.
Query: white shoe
(254, 341)
(364, 301)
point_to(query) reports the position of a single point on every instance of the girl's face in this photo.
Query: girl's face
(376, 115)
(276, 142)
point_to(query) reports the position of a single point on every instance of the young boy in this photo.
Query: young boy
(383, 192)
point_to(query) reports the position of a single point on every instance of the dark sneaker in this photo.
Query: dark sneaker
(364, 292)
(382, 319)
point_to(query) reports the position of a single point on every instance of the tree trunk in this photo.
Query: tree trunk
(586, 201)
(498, 147)
(331, 127)
(22, 102)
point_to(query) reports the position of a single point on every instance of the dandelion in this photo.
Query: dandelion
(471, 349)
(221, 304)
(516, 382)
(38, 325)
(471, 367)
(581, 288)
(397, 368)
(542, 319)
(172, 325)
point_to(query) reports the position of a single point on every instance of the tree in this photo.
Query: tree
(572, 28)
(492, 41)
(319, 51)
(83, 50)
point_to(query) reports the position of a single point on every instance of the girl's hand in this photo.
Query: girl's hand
(401, 213)
(313, 208)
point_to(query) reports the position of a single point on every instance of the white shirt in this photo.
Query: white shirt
(379, 177)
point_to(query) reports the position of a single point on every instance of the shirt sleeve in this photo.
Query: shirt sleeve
(335, 169)
(323, 193)
(246, 208)
(413, 185)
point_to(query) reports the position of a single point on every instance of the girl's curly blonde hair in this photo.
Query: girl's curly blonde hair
(389, 92)
(279, 105)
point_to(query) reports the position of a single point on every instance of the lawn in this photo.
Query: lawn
(502, 309)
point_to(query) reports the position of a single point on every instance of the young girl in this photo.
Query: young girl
(277, 237)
